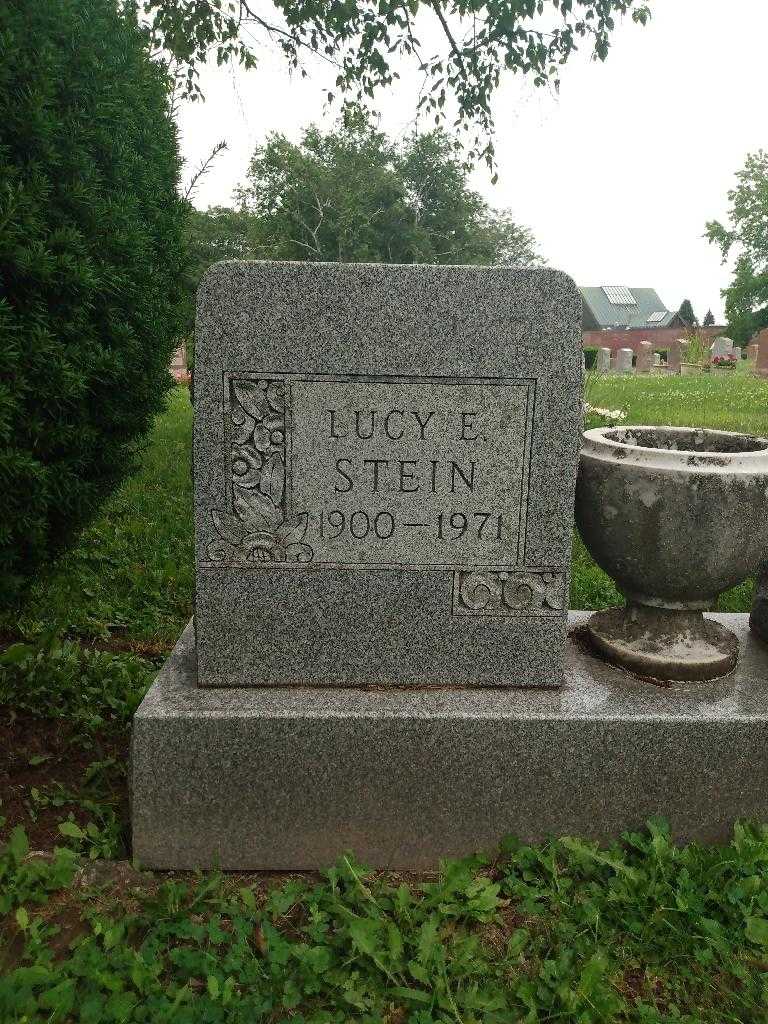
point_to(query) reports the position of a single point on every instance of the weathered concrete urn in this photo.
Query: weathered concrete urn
(675, 515)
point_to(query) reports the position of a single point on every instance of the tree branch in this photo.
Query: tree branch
(437, 8)
(203, 169)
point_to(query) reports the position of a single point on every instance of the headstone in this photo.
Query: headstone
(624, 358)
(384, 484)
(603, 363)
(721, 347)
(179, 370)
(676, 354)
(657, 359)
(761, 364)
(644, 357)
(384, 462)
(752, 352)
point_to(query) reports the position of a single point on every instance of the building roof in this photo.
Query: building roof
(618, 306)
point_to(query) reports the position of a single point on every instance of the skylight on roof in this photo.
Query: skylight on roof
(618, 295)
(656, 318)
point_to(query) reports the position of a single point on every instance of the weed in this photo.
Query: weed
(642, 931)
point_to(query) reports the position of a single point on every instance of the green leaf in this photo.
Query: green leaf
(418, 972)
(414, 994)
(119, 1006)
(428, 939)
(60, 998)
(22, 919)
(212, 984)
(248, 898)
(18, 845)
(757, 930)
(71, 829)
(365, 935)
(16, 653)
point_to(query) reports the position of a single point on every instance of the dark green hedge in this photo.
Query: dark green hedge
(590, 357)
(91, 266)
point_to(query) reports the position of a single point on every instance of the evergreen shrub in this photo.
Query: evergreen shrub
(91, 265)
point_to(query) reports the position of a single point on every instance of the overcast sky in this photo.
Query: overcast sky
(616, 176)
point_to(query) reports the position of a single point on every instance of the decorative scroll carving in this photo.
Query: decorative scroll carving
(255, 529)
(524, 593)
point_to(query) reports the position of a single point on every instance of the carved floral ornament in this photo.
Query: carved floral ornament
(528, 592)
(256, 530)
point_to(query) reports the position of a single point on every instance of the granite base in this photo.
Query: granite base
(288, 779)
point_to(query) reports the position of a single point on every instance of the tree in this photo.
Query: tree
(352, 195)
(746, 237)
(91, 264)
(709, 319)
(365, 39)
(686, 314)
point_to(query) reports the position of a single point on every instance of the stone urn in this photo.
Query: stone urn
(675, 515)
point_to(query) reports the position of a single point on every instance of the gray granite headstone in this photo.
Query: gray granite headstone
(603, 360)
(644, 357)
(624, 360)
(721, 347)
(761, 362)
(677, 353)
(385, 461)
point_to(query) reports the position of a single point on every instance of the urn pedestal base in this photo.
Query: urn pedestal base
(289, 779)
(664, 644)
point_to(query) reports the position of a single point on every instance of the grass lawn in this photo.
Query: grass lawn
(644, 932)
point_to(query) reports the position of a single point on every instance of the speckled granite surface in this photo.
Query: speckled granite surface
(385, 463)
(758, 620)
(289, 778)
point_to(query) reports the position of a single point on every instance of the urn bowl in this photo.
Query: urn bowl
(675, 515)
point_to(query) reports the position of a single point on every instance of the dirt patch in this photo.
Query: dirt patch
(150, 649)
(39, 752)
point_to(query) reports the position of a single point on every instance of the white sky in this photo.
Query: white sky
(616, 176)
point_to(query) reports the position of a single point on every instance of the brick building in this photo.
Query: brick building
(619, 317)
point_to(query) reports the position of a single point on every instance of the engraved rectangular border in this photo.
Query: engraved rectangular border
(529, 383)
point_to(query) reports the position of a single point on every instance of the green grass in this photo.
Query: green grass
(642, 932)
(738, 402)
(131, 574)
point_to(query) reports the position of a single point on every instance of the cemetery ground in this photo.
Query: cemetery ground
(646, 931)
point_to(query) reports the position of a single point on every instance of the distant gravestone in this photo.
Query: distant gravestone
(752, 352)
(385, 460)
(624, 358)
(603, 363)
(761, 363)
(676, 354)
(644, 357)
(657, 359)
(721, 347)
